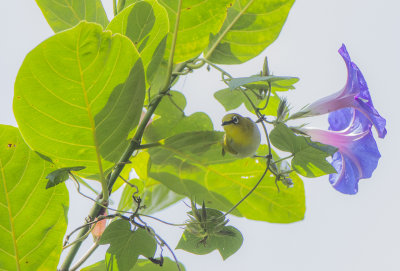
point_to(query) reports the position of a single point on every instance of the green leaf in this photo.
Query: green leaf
(226, 244)
(60, 175)
(68, 91)
(155, 196)
(146, 265)
(127, 245)
(32, 219)
(283, 82)
(141, 265)
(158, 197)
(146, 24)
(192, 164)
(309, 157)
(198, 20)
(232, 99)
(250, 26)
(171, 112)
(121, 114)
(64, 14)
(122, 4)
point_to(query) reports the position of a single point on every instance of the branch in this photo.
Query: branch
(86, 255)
(133, 145)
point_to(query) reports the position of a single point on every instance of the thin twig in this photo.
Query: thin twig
(162, 221)
(85, 256)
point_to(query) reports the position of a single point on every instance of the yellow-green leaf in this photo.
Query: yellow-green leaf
(32, 218)
(189, 159)
(64, 14)
(146, 24)
(198, 20)
(250, 26)
(73, 102)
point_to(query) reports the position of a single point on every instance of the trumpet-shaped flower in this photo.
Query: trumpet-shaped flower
(357, 155)
(355, 94)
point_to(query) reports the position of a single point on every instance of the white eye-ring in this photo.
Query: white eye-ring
(235, 119)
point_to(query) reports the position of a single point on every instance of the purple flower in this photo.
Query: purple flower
(355, 95)
(357, 155)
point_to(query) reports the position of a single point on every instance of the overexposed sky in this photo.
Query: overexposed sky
(339, 232)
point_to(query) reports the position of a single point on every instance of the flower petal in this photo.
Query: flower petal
(373, 116)
(352, 84)
(340, 119)
(346, 180)
(365, 155)
(357, 85)
(357, 161)
(348, 119)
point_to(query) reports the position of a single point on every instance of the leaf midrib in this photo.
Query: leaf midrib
(10, 216)
(228, 28)
(88, 106)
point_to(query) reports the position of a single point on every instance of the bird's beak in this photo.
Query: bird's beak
(226, 122)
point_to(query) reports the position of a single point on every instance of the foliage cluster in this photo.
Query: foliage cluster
(94, 104)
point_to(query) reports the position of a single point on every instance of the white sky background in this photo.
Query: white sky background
(339, 232)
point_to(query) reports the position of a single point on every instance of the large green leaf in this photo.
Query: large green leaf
(173, 120)
(251, 25)
(198, 20)
(71, 101)
(127, 245)
(309, 157)
(64, 14)
(189, 161)
(141, 265)
(32, 218)
(146, 24)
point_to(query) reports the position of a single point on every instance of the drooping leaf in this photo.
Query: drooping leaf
(126, 245)
(191, 163)
(32, 219)
(250, 26)
(171, 115)
(65, 82)
(141, 265)
(146, 24)
(60, 175)
(281, 82)
(64, 14)
(198, 20)
(158, 197)
(309, 157)
(232, 99)
(282, 85)
(226, 244)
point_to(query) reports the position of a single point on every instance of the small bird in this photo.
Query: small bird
(242, 136)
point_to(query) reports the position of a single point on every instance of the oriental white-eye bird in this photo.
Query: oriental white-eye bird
(242, 136)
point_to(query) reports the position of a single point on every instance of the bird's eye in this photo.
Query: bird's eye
(235, 120)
